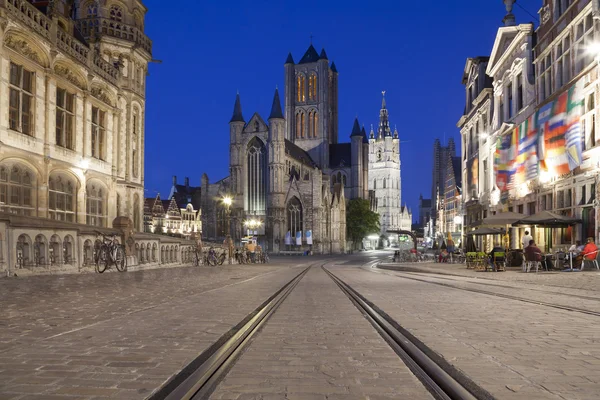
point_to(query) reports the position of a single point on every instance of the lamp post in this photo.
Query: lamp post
(227, 201)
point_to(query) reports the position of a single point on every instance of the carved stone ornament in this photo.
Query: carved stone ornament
(22, 47)
(545, 14)
(70, 76)
(101, 95)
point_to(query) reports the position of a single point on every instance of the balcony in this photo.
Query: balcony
(104, 26)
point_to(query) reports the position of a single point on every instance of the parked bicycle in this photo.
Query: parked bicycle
(110, 252)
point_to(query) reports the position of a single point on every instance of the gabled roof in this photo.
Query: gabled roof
(298, 153)
(506, 39)
(340, 155)
(310, 56)
(251, 127)
(470, 62)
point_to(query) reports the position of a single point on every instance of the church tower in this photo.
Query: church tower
(384, 172)
(277, 173)
(311, 104)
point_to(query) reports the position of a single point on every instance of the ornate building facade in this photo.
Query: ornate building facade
(291, 173)
(72, 101)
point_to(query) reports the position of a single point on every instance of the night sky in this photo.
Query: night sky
(210, 49)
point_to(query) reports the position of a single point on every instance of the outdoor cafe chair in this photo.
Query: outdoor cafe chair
(530, 264)
(594, 262)
(499, 261)
(471, 258)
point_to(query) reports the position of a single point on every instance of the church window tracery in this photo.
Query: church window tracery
(301, 88)
(312, 87)
(294, 215)
(62, 202)
(257, 176)
(16, 190)
(300, 125)
(95, 206)
(312, 124)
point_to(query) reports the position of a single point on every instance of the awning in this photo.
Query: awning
(548, 219)
(485, 231)
(502, 219)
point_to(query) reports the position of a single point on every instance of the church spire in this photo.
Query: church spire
(237, 110)
(384, 123)
(276, 108)
(356, 128)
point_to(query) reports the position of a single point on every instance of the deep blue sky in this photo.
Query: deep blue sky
(415, 50)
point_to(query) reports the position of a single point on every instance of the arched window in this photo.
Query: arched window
(294, 216)
(23, 251)
(344, 179)
(384, 183)
(300, 125)
(312, 124)
(94, 205)
(333, 179)
(257, 176)
(374, 184)
(135, 168)
(61, 204)
(116, 13)
(16, 190)
(339, 177)
(92, 9)
(312, 87)
(301, 88)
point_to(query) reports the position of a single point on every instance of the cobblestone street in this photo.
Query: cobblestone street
(124, 336)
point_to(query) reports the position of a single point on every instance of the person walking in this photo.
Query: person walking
(526, 239)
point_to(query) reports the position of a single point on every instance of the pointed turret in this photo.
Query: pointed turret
(290, 59)
(323, 55)
(276, 107)
(372, 133)
(363, 132)
(395, 132)
(384, 123)
(333, 67)
(310, 56)
(237, 110)
(356, 129)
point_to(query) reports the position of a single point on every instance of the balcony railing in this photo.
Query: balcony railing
(26, 13)
(105, 26)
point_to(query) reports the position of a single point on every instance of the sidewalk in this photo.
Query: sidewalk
(589, 279)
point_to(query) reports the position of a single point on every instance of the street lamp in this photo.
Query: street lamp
(227, 201)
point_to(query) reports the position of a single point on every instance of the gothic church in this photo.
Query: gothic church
(290, 172)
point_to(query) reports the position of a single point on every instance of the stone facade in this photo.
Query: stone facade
(440, 162)
(168, 217)
(72, 108)
(532, 70)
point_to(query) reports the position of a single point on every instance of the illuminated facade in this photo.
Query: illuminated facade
(72, 101)
(541, 144)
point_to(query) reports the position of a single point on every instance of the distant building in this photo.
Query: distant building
(440, 163)
(169, 217)
(424, 210)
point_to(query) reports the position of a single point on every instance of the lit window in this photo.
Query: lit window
(95, 206)
(312, 87)
(21, 99)
(61, 205)
(301, 88)
(16, 190)
(98, 133)
(64, 119)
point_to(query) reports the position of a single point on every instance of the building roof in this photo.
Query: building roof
(237, 111)
(298, 153)
(333, 67)
(340, 154)
(290, 59)
(356, 129)
(364, 134)
(310, 56)
(276, 107)
(323, 55)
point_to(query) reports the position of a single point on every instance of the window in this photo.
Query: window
(21, 99)
(64, 119)
(16, 190)
(92, 9)
(294, 216)
(545, 74)
(501, 112)
(62, 199)
(257, 176)
(583, 196)
(374, 183)
(312, 124)
(589, 122)
(583, 37)
(510, 100)
(301, 88)
(520, 209)
(384, 183)
(519, 92)
(135, 144)
(559, 67)
(312, 87)
(98, 133)
(95, 206)
(116, 13)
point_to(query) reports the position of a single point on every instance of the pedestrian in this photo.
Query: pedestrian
(590, 251)
(526, 239)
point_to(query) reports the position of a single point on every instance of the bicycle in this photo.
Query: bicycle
(109, 252)
(196, 258)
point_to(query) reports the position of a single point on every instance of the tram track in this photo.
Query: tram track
(200, 378)
(402, 274)
(440, 378)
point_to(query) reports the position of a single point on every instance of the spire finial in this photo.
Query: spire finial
(383, 101)
(509, 18)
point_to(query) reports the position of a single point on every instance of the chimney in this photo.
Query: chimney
(174, 180)
(187, 182)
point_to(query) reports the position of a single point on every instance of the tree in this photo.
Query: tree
(360, 220)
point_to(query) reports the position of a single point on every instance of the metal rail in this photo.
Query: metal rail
(439, 382)
(203, 379)
(507, 296)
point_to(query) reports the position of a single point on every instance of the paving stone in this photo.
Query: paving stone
(317, 345)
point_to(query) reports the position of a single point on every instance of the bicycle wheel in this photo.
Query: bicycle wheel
(101, 258)
(120, 259)
(222, 259)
